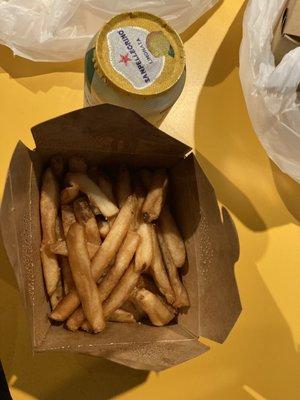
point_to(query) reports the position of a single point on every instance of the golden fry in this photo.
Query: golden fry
(57, 295)
(112, 277)
(121, 315)
(86, 218)
(51, 270)
(144, 253)
(49, 206)
(133, 308)
(94, 193)
(159, 273)
(68, 283)
(159, 313)
(60, 248)
(123, 185)
(122, 262)
(49, 210)
(59, 231)
(68, 218)
(69, 194)
(95, 209)
(82, 276)
(106, 186)
(77, 164)
(75, 321)
(122, 291)
(172, 237)
(156, 196)
(140, 195)
(102, 259)
(181, 296)
(103, 227)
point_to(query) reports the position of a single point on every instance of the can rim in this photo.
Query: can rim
(107, 73)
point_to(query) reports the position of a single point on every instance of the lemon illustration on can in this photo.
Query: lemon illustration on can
(159, 45)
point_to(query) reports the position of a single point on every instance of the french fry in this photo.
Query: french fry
(57, 165)
(68, 283)
(76, 320)
(144, 252)
(85, 327)
(102, 259)
(133, 308)
(95, 209)
(106, 186)
(123, 185)
(57, 295)
(68, 217)
(181, 296)
(159, 313)
(49, 206)
(172, 237)
(122, 291)
(59, 231)
(159, 273)
(121, 315)
(140, 195)
(60, 248)
(122, 261)
(49, 209)
(69, 194)
(77, 164)
(103, 227)
(86, 218)
(112, 277)
(51, 270)
(156, 196)
(94, 193)
(146, 178)
(82, 276)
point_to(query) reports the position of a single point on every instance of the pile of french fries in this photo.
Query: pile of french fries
(111, 250)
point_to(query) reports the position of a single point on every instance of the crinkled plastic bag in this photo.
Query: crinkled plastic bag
(60, 30)
(271, 92)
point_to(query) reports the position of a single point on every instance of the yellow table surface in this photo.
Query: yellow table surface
(260, 359)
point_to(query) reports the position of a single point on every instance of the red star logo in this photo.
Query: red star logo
(124, 59)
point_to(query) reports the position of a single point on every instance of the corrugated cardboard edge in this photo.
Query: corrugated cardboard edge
(213, 249)
(16, 223)
(157, 354)
(115, 137)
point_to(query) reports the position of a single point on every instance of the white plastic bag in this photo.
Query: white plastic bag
(271, 93)
(60, 30)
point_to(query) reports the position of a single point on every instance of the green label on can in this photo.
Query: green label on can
(89, 66)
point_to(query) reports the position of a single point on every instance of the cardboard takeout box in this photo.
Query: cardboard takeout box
(110, 135)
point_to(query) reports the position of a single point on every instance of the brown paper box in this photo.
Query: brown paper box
(111, 135)
(287, 30)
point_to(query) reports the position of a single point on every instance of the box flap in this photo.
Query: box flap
(137, 346)
(108, 131)
(212, 247)
(20, 228)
